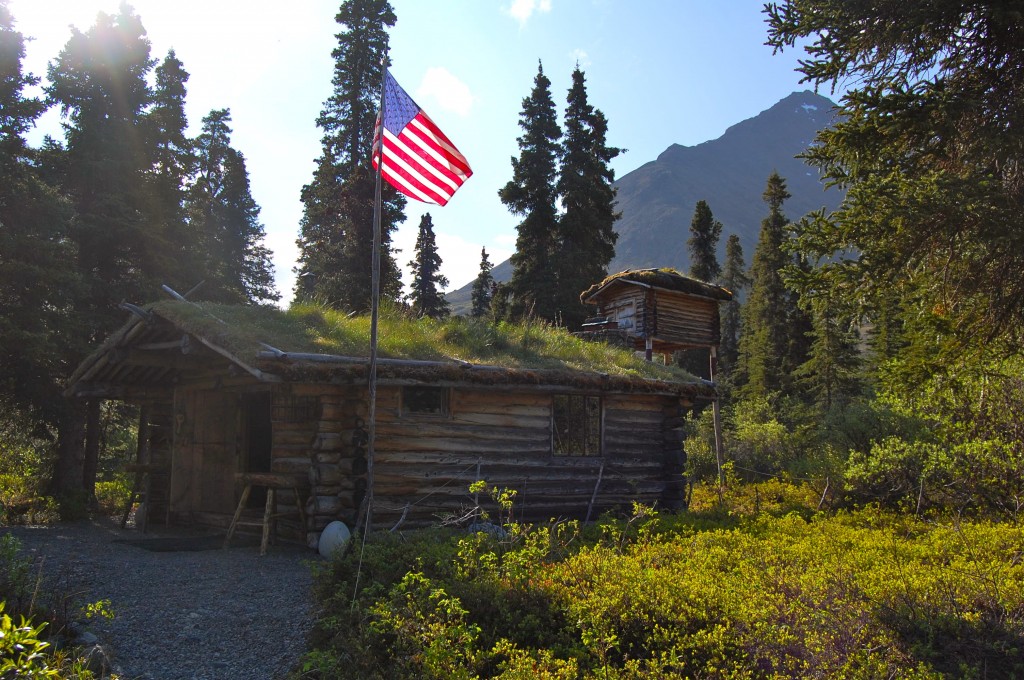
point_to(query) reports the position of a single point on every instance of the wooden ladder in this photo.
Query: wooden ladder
(268, 522)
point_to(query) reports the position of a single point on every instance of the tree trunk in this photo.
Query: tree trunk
(69, 469)
(92, 449)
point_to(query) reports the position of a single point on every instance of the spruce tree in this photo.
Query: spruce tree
(585, 243)
(336, 232)
(830, 375)
(483, 287)
(705, 231)
(166, 126)
(764, 342)
(99, 80)
(38, 288)
(531, 194)
(735, 279)
(427, 282)
(222, 213)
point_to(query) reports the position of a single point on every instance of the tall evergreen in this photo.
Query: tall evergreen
(427, 282)
(586, 235)
(531, 194)
(224, 217)
(764, 343)
(99, 80)
(734, 278)
(37, 287)
(483, 287)
(830, 375)
(705, 231)
(336, 232)
(171, 165)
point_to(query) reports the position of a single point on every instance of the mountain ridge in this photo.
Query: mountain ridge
(657, 199)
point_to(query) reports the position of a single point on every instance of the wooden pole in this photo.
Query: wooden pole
(716, 412)
(374, 314)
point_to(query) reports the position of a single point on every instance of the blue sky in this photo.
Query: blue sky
(663, 72)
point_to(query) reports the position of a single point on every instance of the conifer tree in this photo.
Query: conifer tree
(705, 231)
(830, 375)
(336, 232)
(735, 279)
(235, 264)
(585, 243)
(171, 166)
(99, 80)
(482, 287)
(764, 342)
(531, 194)
(38, 288)
(427, 282)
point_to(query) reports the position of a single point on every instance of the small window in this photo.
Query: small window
(292, 409)
(577, 425)
(425, 401)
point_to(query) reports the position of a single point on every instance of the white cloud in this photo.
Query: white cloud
(450, 93)
(522, 10)
(580, 56)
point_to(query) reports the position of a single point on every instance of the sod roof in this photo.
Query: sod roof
(665, 278)
(312, 343)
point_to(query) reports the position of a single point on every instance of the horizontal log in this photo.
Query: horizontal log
(503, 420)
(537, 446)
(333, 441)
(315, 389)
(294, 464)
(478, 400)
(333, 489)
(293, 437)
(446, 429)
(327, 474)
(324, 505)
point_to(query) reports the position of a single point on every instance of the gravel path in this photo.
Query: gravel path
(199, 615)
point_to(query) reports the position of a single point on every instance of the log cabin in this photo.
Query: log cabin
(657, 311)
(229, 395)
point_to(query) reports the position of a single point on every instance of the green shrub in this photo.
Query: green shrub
(15, 578)
(862, 594)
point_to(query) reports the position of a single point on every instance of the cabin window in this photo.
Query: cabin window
(432, 401)
(576, 424)
(292, 409)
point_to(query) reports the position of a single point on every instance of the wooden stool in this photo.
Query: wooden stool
(272, 482)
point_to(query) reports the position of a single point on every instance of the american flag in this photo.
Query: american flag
(419, 160)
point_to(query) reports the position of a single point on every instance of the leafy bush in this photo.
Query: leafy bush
(861, 594)
(960, 444)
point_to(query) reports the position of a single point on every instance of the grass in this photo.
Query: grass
(306, 328)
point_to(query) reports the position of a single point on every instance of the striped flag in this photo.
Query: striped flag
(419, 160)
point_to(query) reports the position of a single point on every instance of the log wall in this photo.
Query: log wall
(669, 316)
(424, 464)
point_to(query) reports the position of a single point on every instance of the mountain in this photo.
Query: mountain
(658, 198)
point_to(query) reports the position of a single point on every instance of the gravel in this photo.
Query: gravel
(206, 615)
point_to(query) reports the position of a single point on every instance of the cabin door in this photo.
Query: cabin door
(216, 461)
(257, 440)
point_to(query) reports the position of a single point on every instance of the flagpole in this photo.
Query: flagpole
(374, 314)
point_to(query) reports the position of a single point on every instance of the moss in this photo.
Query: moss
(531, 346)
(666, 278)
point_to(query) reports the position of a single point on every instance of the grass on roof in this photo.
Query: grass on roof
(314, 329)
